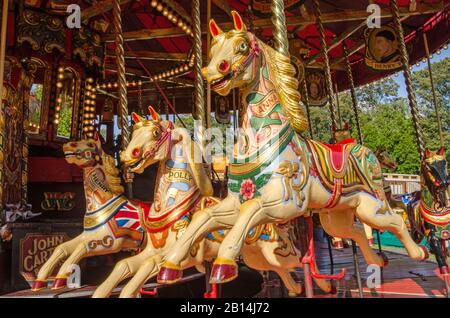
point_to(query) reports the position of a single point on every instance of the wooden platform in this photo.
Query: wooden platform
(402, 278)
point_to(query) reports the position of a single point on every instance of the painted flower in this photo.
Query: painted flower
(248, 189)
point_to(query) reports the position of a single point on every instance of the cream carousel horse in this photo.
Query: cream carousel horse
(111, 222)
(275, 174)
(183, 187)
(342, 136)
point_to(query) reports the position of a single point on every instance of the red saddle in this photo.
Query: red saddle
(337, 153)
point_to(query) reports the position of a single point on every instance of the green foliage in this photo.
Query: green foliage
(385, 118)
(65, 122)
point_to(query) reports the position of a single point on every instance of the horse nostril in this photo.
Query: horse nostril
(224, 66)
(136, 152)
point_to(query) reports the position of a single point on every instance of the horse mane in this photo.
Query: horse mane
(287, 87)
(112, 174)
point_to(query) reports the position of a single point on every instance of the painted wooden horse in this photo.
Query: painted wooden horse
(275, 174)
(430, 216)
(111, 222)
(183, 188)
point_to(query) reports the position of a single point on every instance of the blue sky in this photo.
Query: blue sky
(401, 80)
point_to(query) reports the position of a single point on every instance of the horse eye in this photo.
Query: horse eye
(156, 133)
(243, 47)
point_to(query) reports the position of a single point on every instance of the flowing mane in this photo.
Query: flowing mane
(287, 87)
(112, 174)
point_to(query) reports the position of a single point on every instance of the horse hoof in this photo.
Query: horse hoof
(223, 271)
(338, 245)
(59, 283)
(169, 274)
(425, 252)
(38, 285)
(371, 242)
(385, 259)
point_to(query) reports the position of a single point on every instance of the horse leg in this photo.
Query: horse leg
(123, 270)
(342, 224)
(66, 269)
(369, 234)
(148, 270)
(435, 245)
(252, 213)
(222, 215)
(61, 252)
(379, 215)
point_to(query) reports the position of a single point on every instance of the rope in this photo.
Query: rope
(323, 44)
(408, 80)
(348, 69)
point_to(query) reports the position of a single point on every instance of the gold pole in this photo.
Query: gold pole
(306, 102)
(338, 106)
(208, 86)
(323, 44)
(433, 90)
(408, 80)
(3, 49)
(2, 70)
(122, 88)
(198, 83)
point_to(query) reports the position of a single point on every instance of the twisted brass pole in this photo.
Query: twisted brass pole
(408, 80)
(348, 69)
(306, 102)
(198, 84)
(122, 88)
(323, 45)
(280, 29)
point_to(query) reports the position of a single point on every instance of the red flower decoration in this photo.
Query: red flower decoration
(248, 189)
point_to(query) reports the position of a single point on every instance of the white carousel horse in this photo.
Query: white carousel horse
(277, 175)
(183, 188)
(111, 222)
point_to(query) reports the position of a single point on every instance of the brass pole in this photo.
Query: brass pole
(2, 70)
(408, 80)
(306, 102)
(198, 83)
(353, 94)
(338, 106)
(433, 90)
(323, 45)
(122, 88)
(3, 48)
(208, 86)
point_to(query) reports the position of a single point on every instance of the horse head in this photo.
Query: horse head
(150, 142)
(436, 175)
(341, 134)
(233, 55)
(84, 153)
(385, 159)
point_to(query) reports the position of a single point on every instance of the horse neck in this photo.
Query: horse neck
(262, 106)
(96, 188)
(174, 179)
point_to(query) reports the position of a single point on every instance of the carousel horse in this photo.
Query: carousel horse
(111, 222)
(275, 174)
(430, 216)
(343, 136)
(183, 188)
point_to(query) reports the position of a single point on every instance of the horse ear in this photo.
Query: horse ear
(238, 22)
(153, 113)
(427, 153)
(136, 118)
(346, 126)
(441, 151)
(214, 28)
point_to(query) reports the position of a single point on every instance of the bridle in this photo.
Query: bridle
(250, 58)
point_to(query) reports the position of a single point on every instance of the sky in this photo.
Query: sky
(401, 80)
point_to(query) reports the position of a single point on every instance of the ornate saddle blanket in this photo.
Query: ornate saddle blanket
(121, 216)
(436, 217)
(345, 168)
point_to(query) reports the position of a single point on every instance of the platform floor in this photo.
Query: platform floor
(402, 278)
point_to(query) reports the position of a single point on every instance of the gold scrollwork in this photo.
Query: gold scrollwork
(106, 242)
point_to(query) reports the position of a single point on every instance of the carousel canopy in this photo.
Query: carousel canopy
(158, 37)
